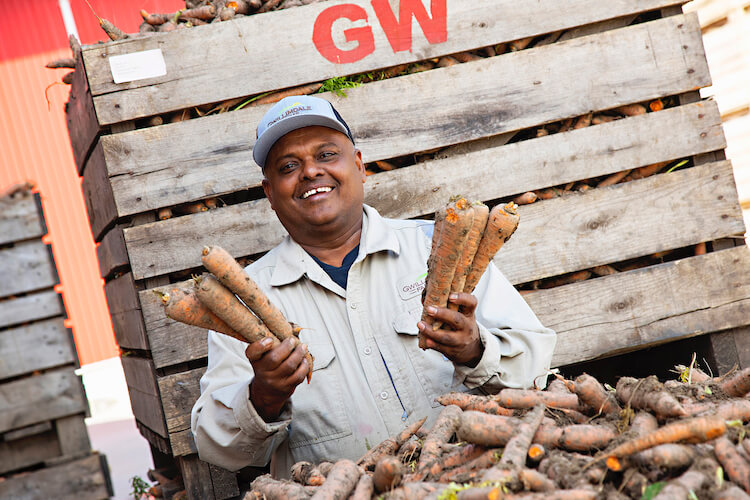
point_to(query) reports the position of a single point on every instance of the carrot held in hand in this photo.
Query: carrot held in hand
(183, 306)
(481, 213)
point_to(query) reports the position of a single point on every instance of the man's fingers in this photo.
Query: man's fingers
(256, 350)
(292, 362)
(453, 319)
(467, 302)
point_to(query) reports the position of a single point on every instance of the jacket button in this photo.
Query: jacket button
(353, 305)
(367, 350)
(383, 395)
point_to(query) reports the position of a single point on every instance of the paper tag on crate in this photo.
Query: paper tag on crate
(137, 66)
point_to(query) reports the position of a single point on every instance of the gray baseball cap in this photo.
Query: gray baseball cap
(292, 113)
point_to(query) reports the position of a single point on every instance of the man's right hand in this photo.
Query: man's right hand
(278, 372)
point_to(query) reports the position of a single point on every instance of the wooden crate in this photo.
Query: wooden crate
(470, 128)
(42, 401)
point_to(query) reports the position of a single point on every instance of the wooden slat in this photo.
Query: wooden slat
(27, 451)
(223, 482)
(111, 252)
(632, 310)
(73, 436)
(80, 116)
(183, 443)
(26, 267)
(145, 398)
(36, 346)
(197, 478)
(171, 164)
(171, 245)
(30, 430)
(179, 393)
(20, 219)
(84, 479)
(633, 219)
(30, 307)
(97, 192)
(126, 312)
(241, 66)
(48, 396)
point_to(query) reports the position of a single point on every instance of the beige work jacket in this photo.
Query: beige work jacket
(370, 378)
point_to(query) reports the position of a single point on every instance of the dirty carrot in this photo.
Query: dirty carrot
(385, 166)
(583, 121)
(267, 487)
(502, 223)
(455, 458)
(389, 446)
(270, 4)
(671, 456)
(534, 480)
(536, 453)
(480, 215)
(575, 437)
(591, 393)
(205, 12)
(515, 451)
(656, 105)
(61, 63)
(526, 198)
(648, 393)
(364, 489)
(388, 474)
(738, 384)
(614, 178)
(474, 402)
(631, 110)
(183, 306)
(154, 19)
(521, 43)
(528, 398)
(307, 474)
(164, 213)
(683, 485)
(461, 473)
(340, 482)
(445, 426)
(736, 467)
(228, 307)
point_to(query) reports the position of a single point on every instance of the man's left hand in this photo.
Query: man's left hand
(458, 338)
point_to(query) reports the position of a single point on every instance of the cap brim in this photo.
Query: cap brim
(269, 137)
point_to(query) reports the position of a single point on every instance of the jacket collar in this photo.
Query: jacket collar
(293, 262)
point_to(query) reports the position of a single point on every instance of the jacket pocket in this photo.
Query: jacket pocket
(434, 371)
(318, 413)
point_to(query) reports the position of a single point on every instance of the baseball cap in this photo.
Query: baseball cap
(292, 113)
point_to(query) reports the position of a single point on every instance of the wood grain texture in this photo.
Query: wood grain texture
(53, 394)
(83, 126)
(73, 436)
(223, 482)
(20, 219)
(27, 431)
(183, 443)
(240, 66)
(97, 193)
(112, 253)
(32, 307)
(126, 312)
(84, 479)
(26, 267)
(27, 451)
(36, 346)
(167, 246)
(145, 397)
(179, 392)
(171, 164)
(619, 313)
(196, 476)
(621, 222)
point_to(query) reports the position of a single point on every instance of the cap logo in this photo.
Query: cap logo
(291, 106)
(289, 110)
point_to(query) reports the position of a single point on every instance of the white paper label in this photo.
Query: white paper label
(137, 66)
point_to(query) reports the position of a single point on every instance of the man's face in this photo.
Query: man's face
(314, 178)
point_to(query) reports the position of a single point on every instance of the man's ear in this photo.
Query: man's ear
(360, 164)
(267, 189)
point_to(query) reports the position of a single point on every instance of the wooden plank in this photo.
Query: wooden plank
(157, 442)
(83, 127)
(26, 267)
(618, 313)
(167, 165)
(30, 430)
(30, 307)
(167, 246)
(224, 483)
(48, 396)
(240, 66)
(179, 392)
(112, 253)
(126, 312)
(183, 443)
(145, 397)
(621, 222)
(36, 346)
(20, 219)
(97, 192)
(73, 436)
(84, 479)
(27, 451)
(196, 477)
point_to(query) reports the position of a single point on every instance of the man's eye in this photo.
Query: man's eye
(327, 154)
(287, 167)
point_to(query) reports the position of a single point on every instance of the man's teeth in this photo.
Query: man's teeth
(307, 194)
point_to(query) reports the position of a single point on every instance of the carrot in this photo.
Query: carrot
(656, 105)
(455, 458)
(643, 423)
(631, 110)
(453, 234)
(526, 198)
(388, 474)
(738, 384)
(474, 402)
(604, 270)
(534, 480)
(536, 453)
(243, 7)
(680, 487)
(364, 489)
(267, 487)
(540, 132)
(205, 13)
(193, 208)
(445, 426)
(270, 4)
(731, 492)
(599, 119)
(501, 225)
(229, 308)
(485, 429)
(592, 394)
(648, 170)
(697, 429)
(463, 266)
(112, 31)
(325, 467)
(447, 61)
(670, 456)
(573, 415)
(340, 482)
(389, 446)
(68, 62)
(566, 279)
(648, 393)
(154, 19)
(528, 398)
(614, 178)
(498, 492)
(474, 467)
(307, 474)
(165, 213)
(583, 121)
(465, 57)
(226, 13)
(385, 166)
(575, 437)
(211, 203)
(521, 43)
(183, 306)
(409, 449)
(417, 490)
(736, 467)
(700, 248)
(514, 455)
(310, 88)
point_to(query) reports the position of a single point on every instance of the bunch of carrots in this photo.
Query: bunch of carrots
(575, 440)
(465, 239)
(228, 301)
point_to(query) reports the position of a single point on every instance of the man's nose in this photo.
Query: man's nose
(311, 168)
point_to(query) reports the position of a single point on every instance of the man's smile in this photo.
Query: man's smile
(315, 191)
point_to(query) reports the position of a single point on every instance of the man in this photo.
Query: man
(353, 281)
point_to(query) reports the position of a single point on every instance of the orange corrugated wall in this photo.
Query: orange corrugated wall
(34, 146)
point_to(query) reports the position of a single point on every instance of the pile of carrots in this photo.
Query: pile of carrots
(683, 439)
(465, 239)
(228, 301)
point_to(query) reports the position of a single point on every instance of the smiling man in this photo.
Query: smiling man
(353, 280)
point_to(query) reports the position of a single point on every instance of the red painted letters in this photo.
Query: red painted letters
(397, 29)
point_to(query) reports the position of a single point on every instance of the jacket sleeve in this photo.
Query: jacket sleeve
(228, 431)
(517, 347)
